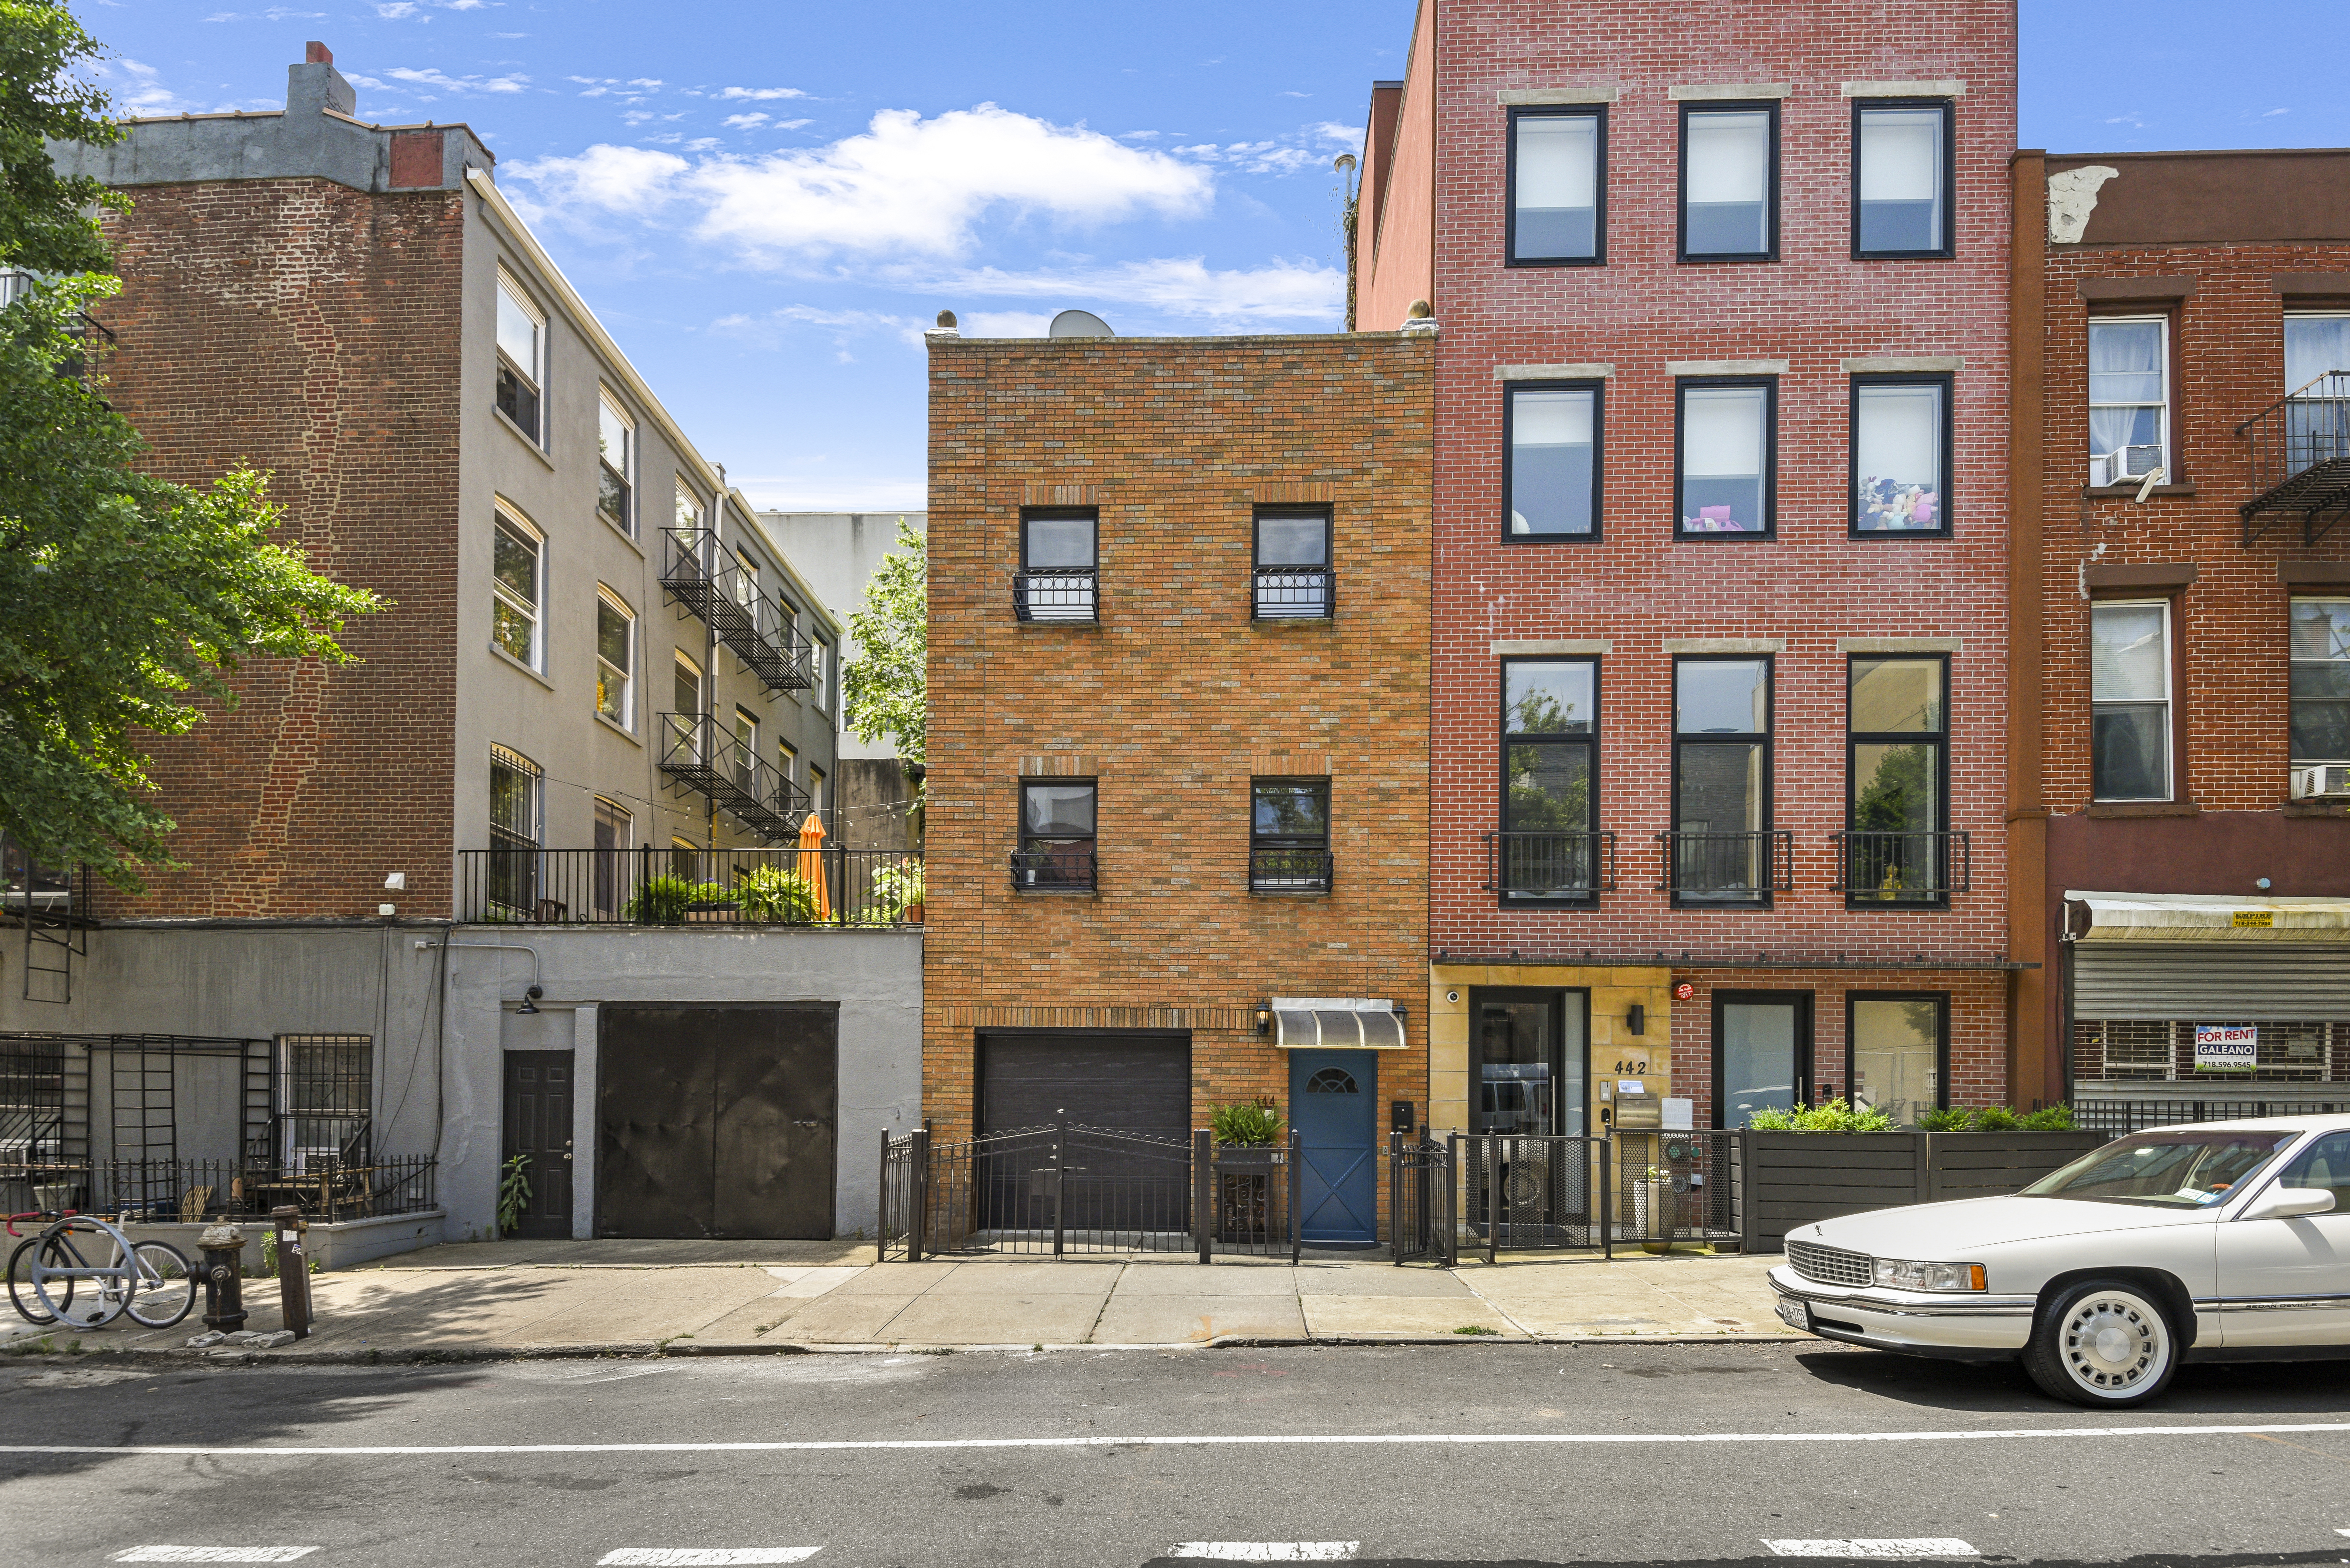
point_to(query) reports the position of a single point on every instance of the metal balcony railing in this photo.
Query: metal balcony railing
(1902, 868)
(698, 755)
(1562, 867)
(2299, 448)
(1285, 868)
(1296, 593)
(1054, 865)
(653, 887)
(1726, 867)
(710, 581)
(1056, 594)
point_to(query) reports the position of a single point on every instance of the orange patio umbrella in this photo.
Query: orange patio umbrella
(812, 864)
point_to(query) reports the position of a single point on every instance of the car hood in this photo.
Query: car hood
(1943, 1232)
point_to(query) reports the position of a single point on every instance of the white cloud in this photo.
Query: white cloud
(903, 185)
(1288, 92)
(1338, 135)
(2274, 112)
(1184, 287)
(744, 121)
(274, 14)
(401, 11)
(446, 83)
(762, 94)
(830, 492)
(1004, 323)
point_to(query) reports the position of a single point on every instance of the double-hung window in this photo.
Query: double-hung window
(742, 760)
(2317, 381)
(616, 835)
(1903, 189)
(518, 586)
(522, 358)
(515, 824)
(684, 738)
(816, 790)
(1293, 565)
(1895, 849)
(2129, 397)
(1549, 848)
(1900, 456)
(616, 659)
(2321, 681)
(1057, 836)
(1727, 456)
(1558, 160)
(1721, 849)
(1550, 430)
(689, 510)
(1730, 183)
(615, 465)
(1056, 580)
(1289, 835)
(2129, 699)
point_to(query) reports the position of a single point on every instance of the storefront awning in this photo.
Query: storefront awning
(2191, 917)
(1336, 1024)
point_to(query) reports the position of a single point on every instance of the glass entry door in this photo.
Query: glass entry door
(1762, 1052)
(1527, 1062)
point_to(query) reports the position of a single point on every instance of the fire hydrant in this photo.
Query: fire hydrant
(293, 1269)
(223, 1249)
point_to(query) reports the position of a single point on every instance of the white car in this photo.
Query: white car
(2220, 1241)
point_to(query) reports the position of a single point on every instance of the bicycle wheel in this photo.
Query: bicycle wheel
(56, 1291)
(20, 1279)
(167, 1285)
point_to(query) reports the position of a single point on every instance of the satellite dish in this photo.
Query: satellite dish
(1079, 324)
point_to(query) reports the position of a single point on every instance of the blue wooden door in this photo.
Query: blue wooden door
(1334, 1105)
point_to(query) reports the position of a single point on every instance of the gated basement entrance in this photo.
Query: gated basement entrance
(716, 1119)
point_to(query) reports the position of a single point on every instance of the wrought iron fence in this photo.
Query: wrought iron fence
(1276, 869)
(185, 1191)
(1056, 594)
(1246, 1200)
(1422, 1184)
(1903, 867)
(652, 887)
(905, 1167)
(1576, 866)
(1726, 867)
(2118, 1118)
(1676, 1187)
(1523, 1193)
(1296, 593)
(1061, 865)
(1059, 1189)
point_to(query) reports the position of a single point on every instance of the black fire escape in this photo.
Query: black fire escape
(710, 581)
(2300, 461)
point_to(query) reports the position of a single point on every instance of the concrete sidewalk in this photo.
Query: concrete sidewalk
(749, 1298)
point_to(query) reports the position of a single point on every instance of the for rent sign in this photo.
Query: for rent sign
(2219, 1047)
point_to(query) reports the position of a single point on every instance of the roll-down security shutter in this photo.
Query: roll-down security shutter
(2215, 983)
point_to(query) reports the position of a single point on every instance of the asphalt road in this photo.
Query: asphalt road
(1710, 1453)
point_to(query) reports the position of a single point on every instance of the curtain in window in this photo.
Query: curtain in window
(2124, 368)
(2321, 681)
(2130, 712)
(1721, 459)
(1728, 176)
(2313, 346)
(1550, 461)
(1898, 457)
(1900, 180)
(1557, 186)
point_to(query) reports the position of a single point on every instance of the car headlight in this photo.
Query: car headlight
(1909, 1274)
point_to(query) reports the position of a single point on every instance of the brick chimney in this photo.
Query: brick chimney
(315, 85)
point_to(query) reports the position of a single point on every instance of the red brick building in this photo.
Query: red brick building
(1176, 815)
(1718, 749)
(2182, 625)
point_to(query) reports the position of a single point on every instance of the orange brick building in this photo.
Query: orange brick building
(1179, 736)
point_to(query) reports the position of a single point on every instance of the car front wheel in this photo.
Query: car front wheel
(2102, 1342)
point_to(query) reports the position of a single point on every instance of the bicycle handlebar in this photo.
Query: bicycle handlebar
(40, 1214)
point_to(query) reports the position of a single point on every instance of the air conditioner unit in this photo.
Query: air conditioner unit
(2124, 462)
(2325, 781)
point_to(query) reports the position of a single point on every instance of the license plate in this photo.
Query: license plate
(1795, 1314)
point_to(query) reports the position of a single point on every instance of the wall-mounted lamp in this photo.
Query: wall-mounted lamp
(530, 1000)
(1635, 1019)
(1265, 1020)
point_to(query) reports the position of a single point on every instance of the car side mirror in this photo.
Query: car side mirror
(2288, 1202)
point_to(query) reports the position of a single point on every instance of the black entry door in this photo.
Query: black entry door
(716, 1120)
(539, 1128)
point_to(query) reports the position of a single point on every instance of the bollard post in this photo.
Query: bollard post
(293, 1269)
(224, 1249)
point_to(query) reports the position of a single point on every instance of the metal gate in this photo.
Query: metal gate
(1676, 1187)
(1059, 1189)
(1248, 1198)
(1527, 1193)
(1422, 1182)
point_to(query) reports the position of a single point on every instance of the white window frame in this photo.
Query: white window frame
(535, 375)
(815, 788)
(820, 673)
(609, 411)
(509, 521)
(679, 657)
(787, 760)
(2099, 467)
(745, 761)
(2169, 700)
(690, 510)
(625, 677)
(2297, 760)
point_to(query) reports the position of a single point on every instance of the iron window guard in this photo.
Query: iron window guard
(698, 755)
(1902, 868)
(1296, 593)
(1727, 867)
(1054, 865)
(712, 582)
(1565, 866)
(1280, 869)
(1064, 594)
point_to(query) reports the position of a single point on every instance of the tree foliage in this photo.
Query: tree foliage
(126, 601)
(888, 685)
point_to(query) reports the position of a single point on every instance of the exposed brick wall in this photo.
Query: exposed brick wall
(1177, 699)
(310, 330)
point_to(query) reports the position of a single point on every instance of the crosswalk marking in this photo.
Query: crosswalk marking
(704, 1557)
(1893, 1546)
(1267, 1551)
(213, 1554)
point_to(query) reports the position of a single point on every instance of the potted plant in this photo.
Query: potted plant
(898, 893)
(1245, 1197)
(774, 895)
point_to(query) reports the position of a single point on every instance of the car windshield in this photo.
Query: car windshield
(2182, 1170)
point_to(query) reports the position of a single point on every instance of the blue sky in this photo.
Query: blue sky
(765, 203)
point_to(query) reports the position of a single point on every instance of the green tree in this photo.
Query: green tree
(126, 602)
(888, 685)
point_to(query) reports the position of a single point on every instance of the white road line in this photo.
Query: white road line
(1896, 1546)
(1286, 1439)
(211, 1554)
(706, 1556)
(1267, 1551)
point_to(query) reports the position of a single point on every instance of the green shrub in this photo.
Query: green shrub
(1828, 1117)
(1952, 1120)
(2057, 1117)
(1249, 1126)
(771, 893)
(663, 901)
(1993, 1119)
(895, 887)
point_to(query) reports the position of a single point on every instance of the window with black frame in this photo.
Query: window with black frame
(1730, 183)
(1293, 565)
(1896, 851)
(1722, 850)
(515, 821)
(1289, 835)
(1557, 187)
(1550, 433)
(1900, 456)
(1548, 849)
(1056, 837)
(1726, 457)
(1903, 187)
(1058, 559)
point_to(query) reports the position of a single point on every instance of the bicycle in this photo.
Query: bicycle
(152, 1280)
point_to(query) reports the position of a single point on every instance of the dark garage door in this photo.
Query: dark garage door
(1126, 1083)
(716, 1120)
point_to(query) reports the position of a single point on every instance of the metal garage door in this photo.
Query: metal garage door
(1134, 1083)
(716, 1120)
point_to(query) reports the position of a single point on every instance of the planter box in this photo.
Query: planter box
(344, 1244)
(1791, 1179)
